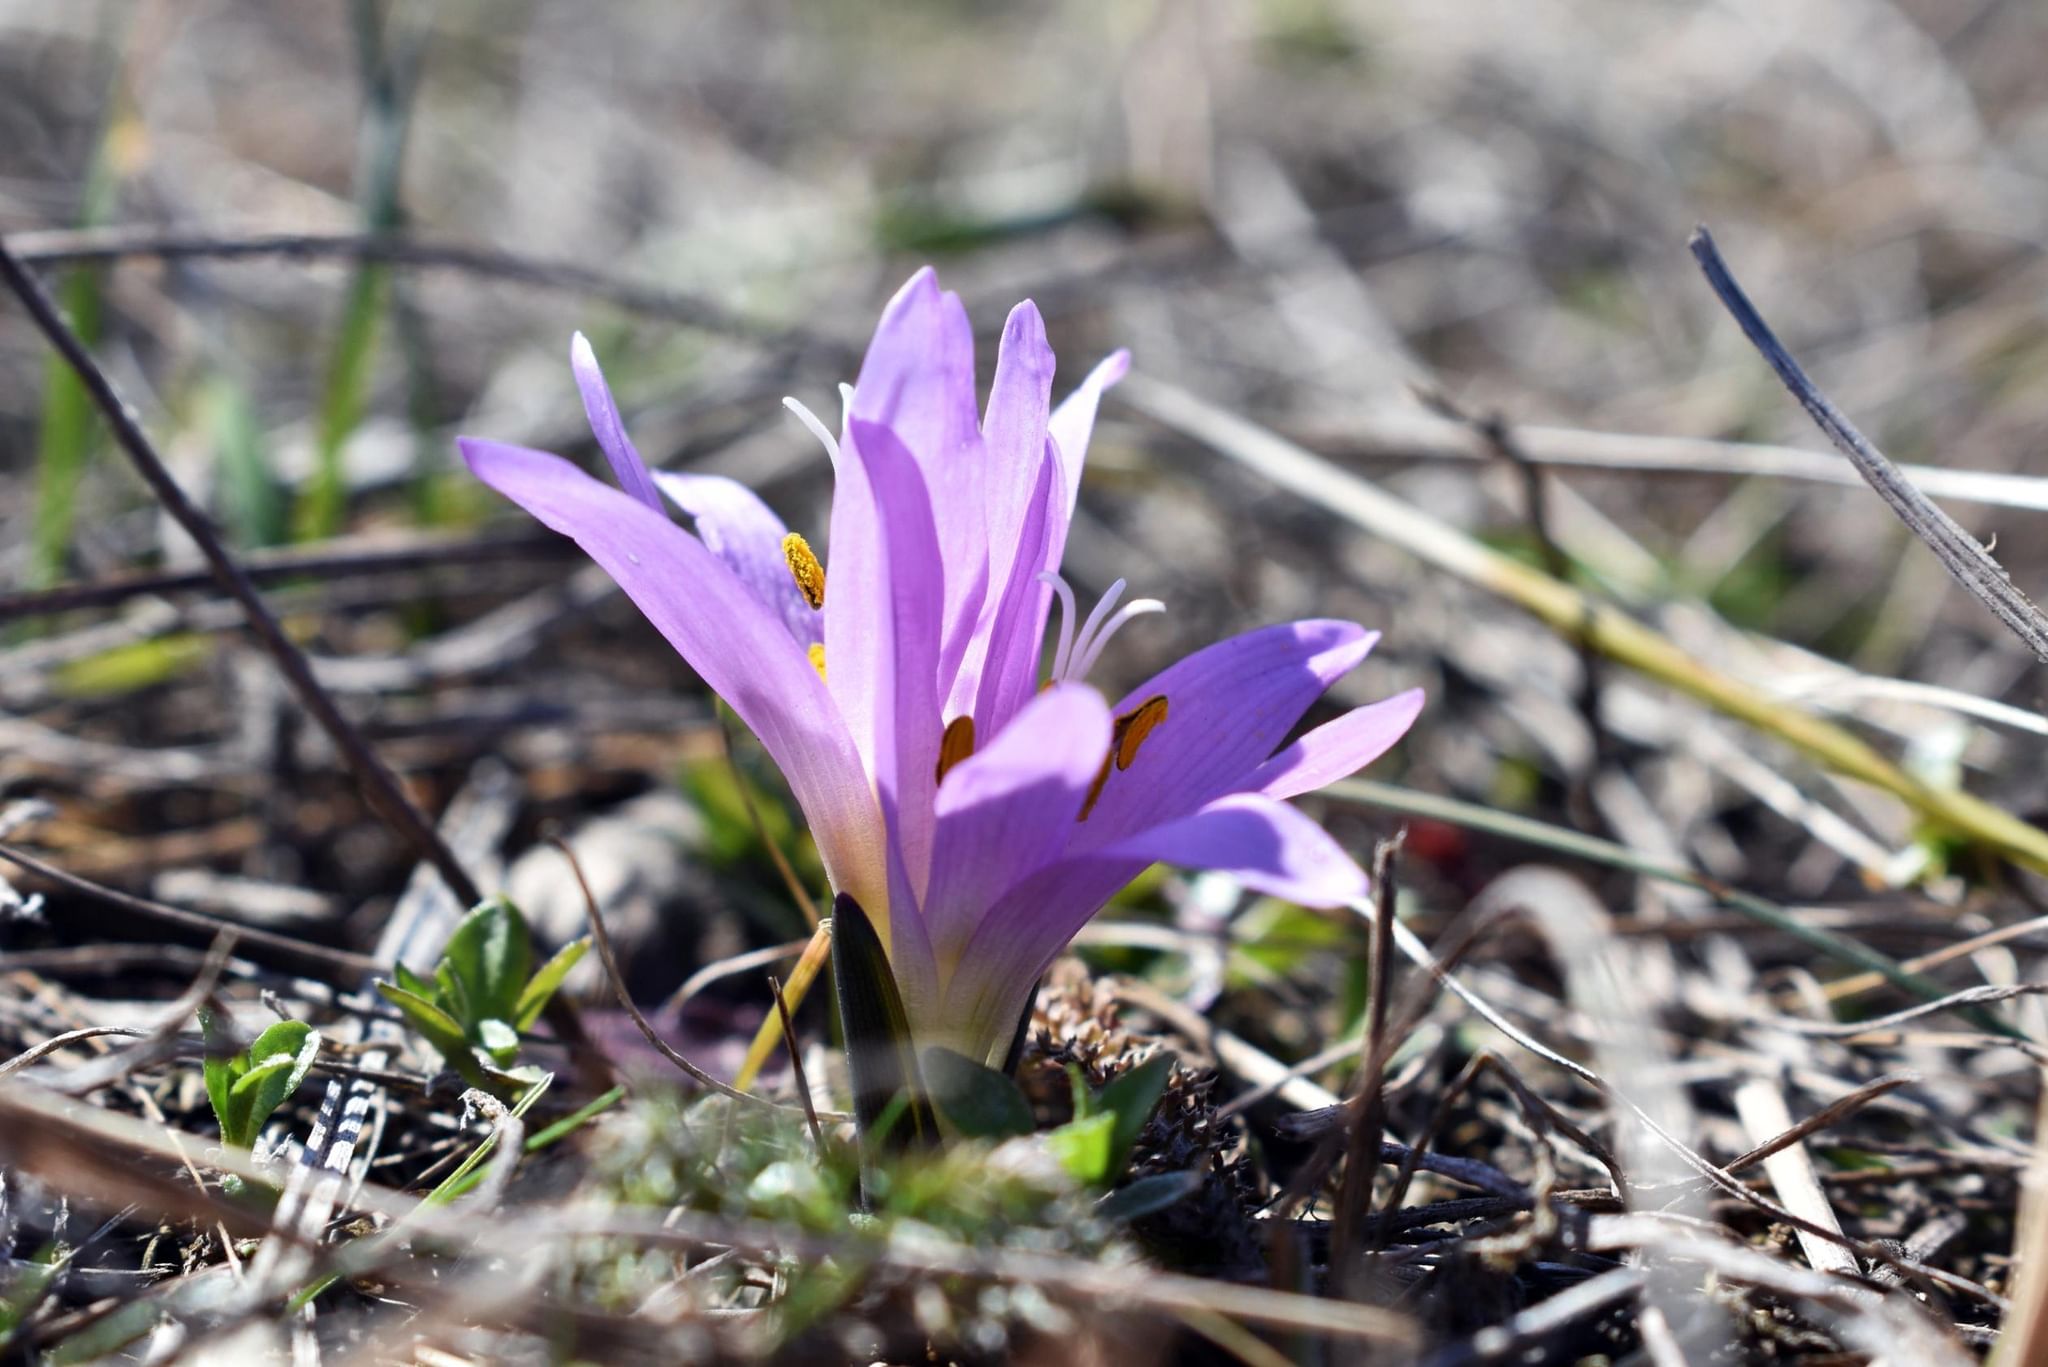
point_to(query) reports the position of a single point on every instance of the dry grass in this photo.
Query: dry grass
(1708, 1029)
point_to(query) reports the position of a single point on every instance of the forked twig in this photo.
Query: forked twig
(380, 786)
(1960, 553)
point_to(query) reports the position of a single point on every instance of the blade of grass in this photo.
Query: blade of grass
(388, 73)
(251, 503)
(1575, 616)
(70, 426)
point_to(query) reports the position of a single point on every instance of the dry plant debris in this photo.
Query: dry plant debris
(1702, 1019)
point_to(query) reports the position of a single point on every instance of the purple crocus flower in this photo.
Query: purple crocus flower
(979, 806)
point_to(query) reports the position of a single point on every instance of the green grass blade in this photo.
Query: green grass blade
(388, 73)
(251, 503)
(1390, 797)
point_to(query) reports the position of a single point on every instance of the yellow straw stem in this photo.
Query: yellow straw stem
(770, 1034)
(1573, 615)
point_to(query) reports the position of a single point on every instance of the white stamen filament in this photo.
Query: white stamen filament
(1066, 595)
(1078, 651)
(1137, 607)
(818, 429)
(1104, 605)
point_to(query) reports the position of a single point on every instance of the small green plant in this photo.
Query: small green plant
(246, 1087)
(716, 1157)
(483, 995)
(1094, 1148)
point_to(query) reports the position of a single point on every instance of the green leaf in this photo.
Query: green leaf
(285, 1037)
(980, 1102)
(278, 1062)
(533, 998)
(1132, 1097)
(879, 1058)
(438, 1028)
(1085, 1105)
(222, 1067)
(418, 986)
(499, 1040)
(1148, 1196)
(1083, 1147)
(487, 961)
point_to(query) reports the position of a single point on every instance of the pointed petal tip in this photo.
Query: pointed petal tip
(589, 374)
(921, 288)
(1267, 845)
(1024, 321)
(484, 456)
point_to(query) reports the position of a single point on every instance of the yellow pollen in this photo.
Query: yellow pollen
(1129, 732)
(805, 569)
(957, 744)
(817, 654)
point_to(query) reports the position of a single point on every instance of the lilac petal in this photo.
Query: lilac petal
(1267, 845)
(1002, 674)
(1014, 433)
(1339, 748)
(909, 948)
(1073, 423)
(917, 380)
(737, 527)
(627, 467)
(1228, 708)
(732, 639)
(918, 375)
(1010, 807)
(1017, 939)
(964, 643)
(883, 607)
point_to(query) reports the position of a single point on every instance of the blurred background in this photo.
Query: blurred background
(1337, 219)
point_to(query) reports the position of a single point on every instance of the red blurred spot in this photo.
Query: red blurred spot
(1437, 842)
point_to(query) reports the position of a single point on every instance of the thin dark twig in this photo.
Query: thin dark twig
(625, 998)
(56, 1042)
(783, 867)
(162, 1039)
(329, 561)
(1716, 1177)
(796, 1064)
(1969, 996)
(1368, 1127)
(1831, 1114)
(1960, 553)
(80, 246)
(380, 786)
(341, 965)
